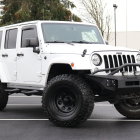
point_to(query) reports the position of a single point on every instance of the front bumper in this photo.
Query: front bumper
(114, 83)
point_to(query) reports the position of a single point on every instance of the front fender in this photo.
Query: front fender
(80, 63)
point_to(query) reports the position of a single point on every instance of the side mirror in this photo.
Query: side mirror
(31, 42)
(34, 43)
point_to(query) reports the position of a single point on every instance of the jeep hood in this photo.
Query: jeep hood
(63, 48)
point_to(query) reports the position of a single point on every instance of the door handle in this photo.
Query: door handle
(20, 54)
(4, 55)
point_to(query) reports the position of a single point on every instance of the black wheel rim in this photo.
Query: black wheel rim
(64, 101)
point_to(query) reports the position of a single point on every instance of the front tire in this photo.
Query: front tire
(3, 97)
(67, 100)
(129, 108)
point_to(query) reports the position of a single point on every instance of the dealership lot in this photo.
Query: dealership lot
(24, 119)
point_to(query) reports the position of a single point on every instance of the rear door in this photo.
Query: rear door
(9, 55)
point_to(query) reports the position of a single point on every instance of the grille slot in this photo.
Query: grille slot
(106, 62)
(133, 61)
(120, 61)
(125, 61)
(129, 61)
(113, 61)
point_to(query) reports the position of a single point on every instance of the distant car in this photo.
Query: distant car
(71, 66)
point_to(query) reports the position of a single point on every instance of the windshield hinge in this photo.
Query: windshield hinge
(84, 52)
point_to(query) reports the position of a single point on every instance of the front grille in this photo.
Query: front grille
(113, 61)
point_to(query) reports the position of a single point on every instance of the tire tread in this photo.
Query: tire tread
(87, 105)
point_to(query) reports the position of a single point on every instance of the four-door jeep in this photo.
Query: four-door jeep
(70, 65)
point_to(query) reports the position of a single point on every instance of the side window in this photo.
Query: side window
(0, 38)
(28, 33)
(10, 39)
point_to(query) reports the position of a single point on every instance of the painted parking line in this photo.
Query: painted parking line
(25, 96)
(24, 119)
(100, 105)
(114, 120)
(94, 120)
(24, 104)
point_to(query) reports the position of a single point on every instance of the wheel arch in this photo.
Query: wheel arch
(57, 69)
(63, 68)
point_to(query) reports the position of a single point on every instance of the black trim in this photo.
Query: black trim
(117, 83)
(117, 69)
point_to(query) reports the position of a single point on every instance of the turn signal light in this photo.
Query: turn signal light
(72, 64)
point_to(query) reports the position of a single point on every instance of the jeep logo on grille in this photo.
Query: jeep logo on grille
(118, 52)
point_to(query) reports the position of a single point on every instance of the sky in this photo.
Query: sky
(127, 13)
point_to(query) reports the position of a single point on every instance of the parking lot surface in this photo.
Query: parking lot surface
(24, 119)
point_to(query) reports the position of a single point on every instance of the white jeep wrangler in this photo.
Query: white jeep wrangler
(70, 65)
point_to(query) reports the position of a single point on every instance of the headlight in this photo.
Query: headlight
(138, 58)
(96, 59)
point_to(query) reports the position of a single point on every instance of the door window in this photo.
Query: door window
(10, 39)
(27, 33)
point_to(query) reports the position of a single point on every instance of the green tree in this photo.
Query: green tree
(16, 11)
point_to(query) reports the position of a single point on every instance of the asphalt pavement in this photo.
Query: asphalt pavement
(24, 119)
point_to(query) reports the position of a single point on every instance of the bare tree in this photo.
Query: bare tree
(96, 10)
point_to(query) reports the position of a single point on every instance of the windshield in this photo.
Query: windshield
(71, 33)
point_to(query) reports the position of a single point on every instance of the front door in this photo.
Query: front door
(28, 62)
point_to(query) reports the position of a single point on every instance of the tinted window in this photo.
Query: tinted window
(0, 38)
(27, 34)
(11, 38)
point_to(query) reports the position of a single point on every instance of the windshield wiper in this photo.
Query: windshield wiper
(55, 41)
(59, 42)
(82, 42)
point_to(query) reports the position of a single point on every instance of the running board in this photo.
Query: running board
(29, 87)
(23, 91)
(31, 92)
(12, 90)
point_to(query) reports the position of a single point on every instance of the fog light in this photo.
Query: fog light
(110, 83)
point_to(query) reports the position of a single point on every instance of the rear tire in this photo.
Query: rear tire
(67, 100)
(3, 97)
(129, 108)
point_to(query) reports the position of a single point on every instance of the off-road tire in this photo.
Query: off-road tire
(128, 109)
(3, 97)
(79, 91)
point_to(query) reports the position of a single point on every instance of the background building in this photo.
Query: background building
(129, 39)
